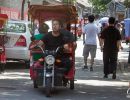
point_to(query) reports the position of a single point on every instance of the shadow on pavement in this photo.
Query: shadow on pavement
(16, 85)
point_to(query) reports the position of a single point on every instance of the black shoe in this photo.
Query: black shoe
(65, 82)
(85, 67)
(114, 76)
(91, 68)
(105, 76)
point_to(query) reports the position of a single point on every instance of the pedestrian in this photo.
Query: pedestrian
(110, 43)
(90, 34)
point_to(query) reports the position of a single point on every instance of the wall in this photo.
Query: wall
(9, 6)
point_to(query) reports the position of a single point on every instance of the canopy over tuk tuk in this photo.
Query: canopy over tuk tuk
(67, 13)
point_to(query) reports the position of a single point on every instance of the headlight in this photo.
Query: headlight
(50, 59)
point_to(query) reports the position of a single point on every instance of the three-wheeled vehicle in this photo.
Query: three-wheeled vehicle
(48, 75)
(3, 21)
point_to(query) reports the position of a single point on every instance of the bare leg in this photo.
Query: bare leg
(85, 61)
(92, 62)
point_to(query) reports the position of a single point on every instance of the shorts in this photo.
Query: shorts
(89, 49)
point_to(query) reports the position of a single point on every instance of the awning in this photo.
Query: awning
(3, 16)
(11, 12)
(46, 12)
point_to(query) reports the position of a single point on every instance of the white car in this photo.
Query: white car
(17, 46)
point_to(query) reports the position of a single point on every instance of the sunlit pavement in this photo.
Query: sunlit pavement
(15, 84)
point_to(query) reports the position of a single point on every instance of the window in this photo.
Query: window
(16, 27)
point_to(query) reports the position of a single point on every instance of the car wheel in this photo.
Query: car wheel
(27, 64)
(2, 68)
(35, 84)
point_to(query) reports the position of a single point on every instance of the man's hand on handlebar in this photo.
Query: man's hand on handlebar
(35, 44)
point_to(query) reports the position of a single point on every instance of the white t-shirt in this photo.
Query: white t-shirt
(91, 31)
(36, 32)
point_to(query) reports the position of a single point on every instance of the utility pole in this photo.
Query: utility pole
(92, 9)
(22, 10)
(28, 9)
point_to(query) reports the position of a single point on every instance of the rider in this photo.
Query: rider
(55, 39)
(64, 30)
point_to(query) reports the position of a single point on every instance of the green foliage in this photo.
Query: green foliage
(99, 5)
(66, 1)
(127, 3)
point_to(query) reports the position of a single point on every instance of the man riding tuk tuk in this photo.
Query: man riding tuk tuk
(3, 21)
(48, 71)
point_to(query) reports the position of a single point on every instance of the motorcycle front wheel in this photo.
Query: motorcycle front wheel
(35, 84)
(48, 86)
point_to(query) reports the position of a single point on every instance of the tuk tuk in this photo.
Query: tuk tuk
(3, 39)
(43, 76)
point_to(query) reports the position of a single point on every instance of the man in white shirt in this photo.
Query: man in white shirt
(90, 34)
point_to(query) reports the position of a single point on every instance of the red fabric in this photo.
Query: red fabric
(2, 57)
(12, 13)
(71, 74)
(4, 16)
(33, 72)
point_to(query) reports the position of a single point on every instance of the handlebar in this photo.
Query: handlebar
(41, 48)
(57, 49)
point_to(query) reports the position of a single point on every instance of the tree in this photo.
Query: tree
(99, 5)
(68, 1)
(127, 3)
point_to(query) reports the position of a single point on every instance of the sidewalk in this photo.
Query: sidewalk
(98, 65)
(96, 77)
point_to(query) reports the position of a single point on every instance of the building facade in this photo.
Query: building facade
(116, 9)
(18, 9)
(15, 8)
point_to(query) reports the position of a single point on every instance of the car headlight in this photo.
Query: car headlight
(50, 59)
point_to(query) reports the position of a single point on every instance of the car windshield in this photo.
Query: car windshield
(16, 27)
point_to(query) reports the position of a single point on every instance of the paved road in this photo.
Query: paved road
(15, 84)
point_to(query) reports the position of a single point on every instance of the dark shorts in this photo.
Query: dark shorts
(89, 49)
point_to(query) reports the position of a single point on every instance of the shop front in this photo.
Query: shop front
(12, 13)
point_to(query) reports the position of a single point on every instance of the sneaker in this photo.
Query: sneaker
(114, 76)
(105, 76)
(91, 68)
(85, 67)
